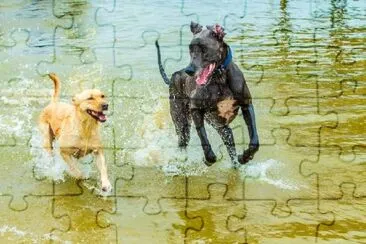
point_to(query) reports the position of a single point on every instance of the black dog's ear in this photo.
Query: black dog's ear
(217, 30)
(195, 27)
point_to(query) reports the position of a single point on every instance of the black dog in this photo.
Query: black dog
(211, 88)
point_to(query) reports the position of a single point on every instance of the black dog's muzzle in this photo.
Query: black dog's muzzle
(190, 70)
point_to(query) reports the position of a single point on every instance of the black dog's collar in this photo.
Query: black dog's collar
(227, 61)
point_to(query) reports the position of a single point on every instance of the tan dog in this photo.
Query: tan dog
(76, 127)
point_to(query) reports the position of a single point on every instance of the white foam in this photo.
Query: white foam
(27, 235)
(152, 139)
(12, 229)
(53, 167)
(45, 164)
(260, 170)
(158, 144)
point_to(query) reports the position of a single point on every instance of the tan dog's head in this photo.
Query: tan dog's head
(92, 102)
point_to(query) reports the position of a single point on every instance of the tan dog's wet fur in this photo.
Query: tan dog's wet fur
(76, 127)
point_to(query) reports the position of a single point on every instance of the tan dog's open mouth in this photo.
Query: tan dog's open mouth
(100, 116)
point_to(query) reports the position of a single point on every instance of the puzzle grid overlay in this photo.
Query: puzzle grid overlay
(220, 204)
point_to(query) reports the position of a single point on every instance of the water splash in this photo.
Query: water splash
(24, 235)
(158, 145)
(53, 166)
(260, 170)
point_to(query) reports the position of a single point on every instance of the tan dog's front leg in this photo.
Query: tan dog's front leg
(47, 136)
(100, 160)
(71, 161)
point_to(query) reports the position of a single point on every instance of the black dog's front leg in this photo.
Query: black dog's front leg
(198, 119)
(249, 117)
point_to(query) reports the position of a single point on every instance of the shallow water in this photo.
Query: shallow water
(304, 62)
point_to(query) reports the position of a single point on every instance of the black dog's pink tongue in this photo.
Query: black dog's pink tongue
(204, 74)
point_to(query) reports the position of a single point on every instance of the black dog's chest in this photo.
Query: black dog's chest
(207, 96)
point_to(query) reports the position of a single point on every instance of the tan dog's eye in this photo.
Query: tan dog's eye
(90, 98)
(102, 96)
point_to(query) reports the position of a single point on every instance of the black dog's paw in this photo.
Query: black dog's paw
(235, 165)
(210, 157)
(248, 154)
(182, 145)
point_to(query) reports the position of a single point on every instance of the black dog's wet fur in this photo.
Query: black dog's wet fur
(189, 101)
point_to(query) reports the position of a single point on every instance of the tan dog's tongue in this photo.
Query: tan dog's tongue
(204, 74)
(102, 117)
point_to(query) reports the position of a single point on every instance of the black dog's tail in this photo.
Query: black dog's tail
(161, 68)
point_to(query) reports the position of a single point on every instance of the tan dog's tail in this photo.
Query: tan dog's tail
(56, 83)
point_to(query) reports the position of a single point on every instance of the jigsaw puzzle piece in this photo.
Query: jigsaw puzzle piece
(318, 10)
(214, 211)
(250, 221)
(274, 175)
(302, 119)
(85, 50)
(349, 210)
(133, 111)
(351, 120)
(311, 217)
(307, 120)
(14, 129)
(17, 126)
(19, 61)
(136, 226)
(333, 171)
(260, 226)
(309, 49)
(263, 86)
(321, 11)
(146, 82)
(27, 39)
(85, 33)
(22, 17)
(175, 58)
(102, 73)
(19, 179)
(18, 226)
(350, 88)
(8, 140)
(82, 210)
(122, 17)
(151, 183)
(199, 185)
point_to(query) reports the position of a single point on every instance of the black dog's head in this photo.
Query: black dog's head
(206, 49)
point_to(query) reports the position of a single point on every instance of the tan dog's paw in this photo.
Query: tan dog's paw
(76, 173)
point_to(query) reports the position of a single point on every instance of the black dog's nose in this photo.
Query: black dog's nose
(105, 106)
(189, 70)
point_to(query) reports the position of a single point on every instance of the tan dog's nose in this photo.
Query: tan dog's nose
(105, 106)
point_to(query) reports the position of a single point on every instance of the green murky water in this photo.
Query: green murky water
(304, 62)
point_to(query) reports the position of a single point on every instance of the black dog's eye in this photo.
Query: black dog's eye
(204, 49)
